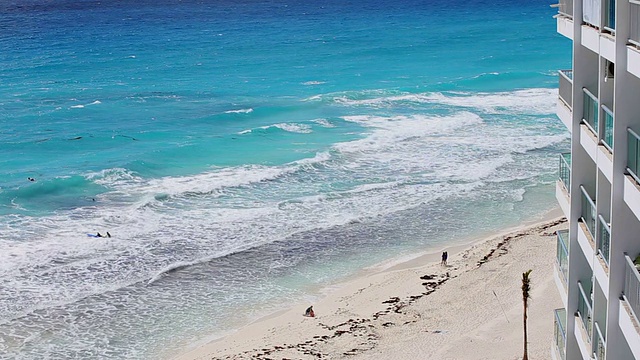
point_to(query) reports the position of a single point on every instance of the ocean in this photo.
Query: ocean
(245, 154)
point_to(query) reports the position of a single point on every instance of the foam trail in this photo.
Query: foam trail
(240, 111)
(536, 101)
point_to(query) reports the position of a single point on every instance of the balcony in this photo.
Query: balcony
(561, 270)
(564, 107)
(607, 141)
(588, 214)
(633, 58)
(585, 311)
(632, 181)
(633, 53)
(598, 353)
(565, 18)
(565, 8)
(634, 26)
(560, 332)
(630, 308)
(590, 28)
(591, 12)
(633, 154)
(565, 87)
(586, 227)
(632, 287)
(604, 239)
(562, 253)
(563, 185)
(564, 171)
(590, 110)
(583, 321)
(605, 148)
(610, 16)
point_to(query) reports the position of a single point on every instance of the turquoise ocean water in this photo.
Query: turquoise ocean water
(244, 153)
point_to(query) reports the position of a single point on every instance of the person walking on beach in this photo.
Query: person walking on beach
(444, 258)
(309, 312)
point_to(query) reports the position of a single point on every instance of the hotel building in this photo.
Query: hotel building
(599, 183)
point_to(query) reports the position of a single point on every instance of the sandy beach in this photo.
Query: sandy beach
(419, 309)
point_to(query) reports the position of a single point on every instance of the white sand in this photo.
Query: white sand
(471, 309)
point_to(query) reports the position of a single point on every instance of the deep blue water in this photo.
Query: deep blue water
(247, 152)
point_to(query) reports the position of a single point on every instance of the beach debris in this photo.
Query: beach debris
(366, 332)
(392, 300)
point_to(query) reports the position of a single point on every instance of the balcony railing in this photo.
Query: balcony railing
(598, 352)
(584, 310)
(610, 16)
(633, 154)
(590, 110)
(562, 253)
(566, 8)
(607, 141)
(604, 239)
(588, 215)
(564, 170)
(591, 12)
(632, 287)
(565, 87)
(634, 17)
(560, 331)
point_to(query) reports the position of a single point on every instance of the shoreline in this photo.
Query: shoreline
(385, 290)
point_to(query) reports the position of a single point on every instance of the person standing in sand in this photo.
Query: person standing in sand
(444, 258)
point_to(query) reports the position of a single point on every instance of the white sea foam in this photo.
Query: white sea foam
(239, 111)
(80, 106)
(395, 131)
(289, 127)
(528, 101)
(114, 177)
(313, 98)
(172, 223)
(211, 183)
(324, 123)
(318, 158)
(313, 82)
(293, 127)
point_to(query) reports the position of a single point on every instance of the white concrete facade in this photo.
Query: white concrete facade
(601, 195)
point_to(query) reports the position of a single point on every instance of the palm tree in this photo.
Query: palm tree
(526, 288)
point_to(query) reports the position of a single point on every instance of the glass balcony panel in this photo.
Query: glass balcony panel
(604, 239)
(590, 110)
(591, 12)
(588, 212)
(608, 128)
(634, 26)
(564, 170)
(566, 8)
(600, 343)
(565, 87)
(632, 287)
(584, 309)
(560, 332)
(562, 252)
(610, 13)
(633, 154)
